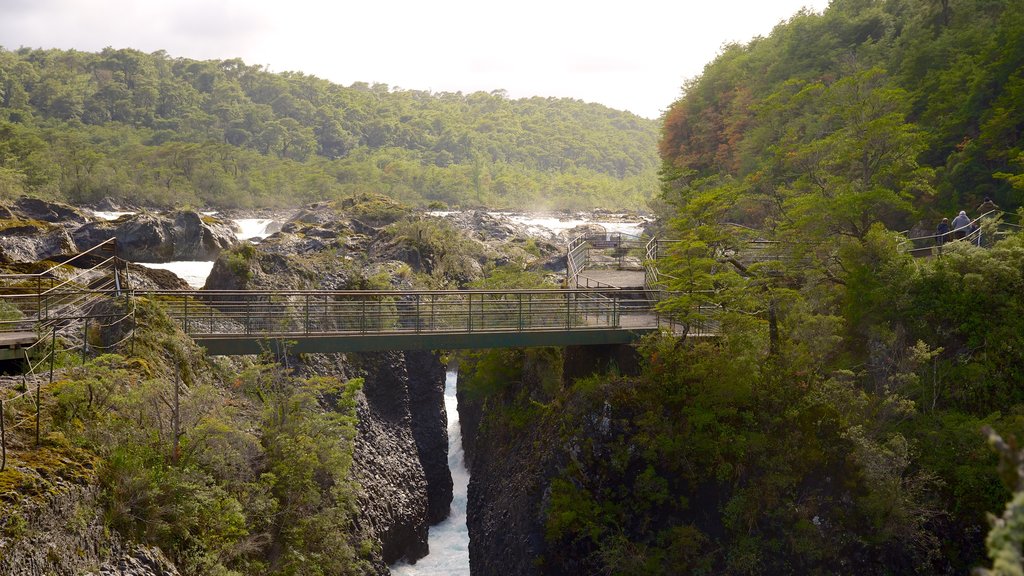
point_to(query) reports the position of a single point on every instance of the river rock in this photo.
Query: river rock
(53, 212)
(30, 241)
(150, 237)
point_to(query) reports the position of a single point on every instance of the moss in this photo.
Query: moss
(36, 473)
(18, 226)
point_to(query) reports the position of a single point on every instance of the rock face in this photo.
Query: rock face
(508, 480)
(53, 212)
(430, 429)
(33, 241)
(148, 237)
(68, 537)
(395, 499)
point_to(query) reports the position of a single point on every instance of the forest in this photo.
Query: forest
(841, 422)
(155, 130)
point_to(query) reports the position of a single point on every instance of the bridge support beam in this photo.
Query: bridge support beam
(583, 361)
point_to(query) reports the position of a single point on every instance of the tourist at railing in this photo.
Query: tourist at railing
(942, 233)
(987, 206)
(961, 225)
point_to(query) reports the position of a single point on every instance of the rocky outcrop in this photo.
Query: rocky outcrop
(149, 237)
(53, 212)
(31, 241)
(509, 477)
(66, 535)
(139, 562)
(393, 504)
(430, 429)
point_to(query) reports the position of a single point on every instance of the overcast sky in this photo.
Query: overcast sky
(632, 55)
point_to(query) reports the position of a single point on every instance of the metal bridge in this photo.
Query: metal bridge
(60, 304)
(251, 322)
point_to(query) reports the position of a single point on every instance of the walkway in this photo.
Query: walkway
(251, 322)
(613, 305)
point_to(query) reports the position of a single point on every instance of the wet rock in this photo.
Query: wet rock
(30, 241)
(149, 237)
(142, 278)
(430, 429)
(53, 212)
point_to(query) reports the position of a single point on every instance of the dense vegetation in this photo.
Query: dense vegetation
(886, 109)
(229, 470)
(156, 130)
(835, 425)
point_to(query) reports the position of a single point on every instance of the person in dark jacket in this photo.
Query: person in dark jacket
(987, 206)
(942, 232)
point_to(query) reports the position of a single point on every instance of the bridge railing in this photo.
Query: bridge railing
(303, 313)
(54, 312)
(614, 250)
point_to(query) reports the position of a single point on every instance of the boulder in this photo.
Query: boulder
(53, 212)
(30, 241)
(149, 237)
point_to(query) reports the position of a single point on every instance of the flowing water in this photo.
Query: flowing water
(253, 228)
(449, 540)
(196, 272)
(193, 272)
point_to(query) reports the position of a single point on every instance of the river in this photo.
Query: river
(195, 272)
(449, 540)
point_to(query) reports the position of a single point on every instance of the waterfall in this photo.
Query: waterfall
(449, 540)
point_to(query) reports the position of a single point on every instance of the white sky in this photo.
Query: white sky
(626, 55)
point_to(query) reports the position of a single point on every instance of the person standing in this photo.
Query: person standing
(942, 233)
(987, 206)
(961, 224)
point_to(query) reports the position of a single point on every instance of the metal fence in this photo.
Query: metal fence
(53, 312)
(298, 313)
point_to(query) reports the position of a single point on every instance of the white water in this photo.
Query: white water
(192, 272)
(557, 225)
(109, 215)
(546, 226)
(253, 228)
(449, 540)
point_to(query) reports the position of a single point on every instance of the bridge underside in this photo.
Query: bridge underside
(327, 343)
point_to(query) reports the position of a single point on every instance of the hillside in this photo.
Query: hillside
(896, 110)
(157, 130)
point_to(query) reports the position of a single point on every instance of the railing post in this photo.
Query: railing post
(469, 312)
(529, 309)
(433, 308)
(417, 313)
(568, 310)
(362, 316)
(248, 316)
(520, 297)
(39, 299)
(307, 314)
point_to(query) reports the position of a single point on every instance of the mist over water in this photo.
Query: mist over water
(449, 540)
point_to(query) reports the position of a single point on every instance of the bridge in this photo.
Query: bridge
(251, 322)
(63, 303)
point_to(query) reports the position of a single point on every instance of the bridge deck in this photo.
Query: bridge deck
(250, 322)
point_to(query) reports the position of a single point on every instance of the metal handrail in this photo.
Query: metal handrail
(973, 235)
